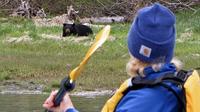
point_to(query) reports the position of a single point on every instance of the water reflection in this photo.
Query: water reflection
(33, 103)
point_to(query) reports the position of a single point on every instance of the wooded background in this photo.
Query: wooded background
(97, 8)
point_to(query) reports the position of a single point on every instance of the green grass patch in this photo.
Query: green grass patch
(48, 61)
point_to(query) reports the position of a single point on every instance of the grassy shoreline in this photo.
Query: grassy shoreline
(46, 61)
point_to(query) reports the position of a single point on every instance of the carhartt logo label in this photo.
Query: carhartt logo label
(145, 51)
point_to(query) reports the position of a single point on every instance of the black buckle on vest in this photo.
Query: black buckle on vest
(183, 75)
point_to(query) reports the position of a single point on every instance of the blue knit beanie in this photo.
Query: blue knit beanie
(152, 35)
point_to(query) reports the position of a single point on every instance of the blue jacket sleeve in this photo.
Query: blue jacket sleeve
(71, 110)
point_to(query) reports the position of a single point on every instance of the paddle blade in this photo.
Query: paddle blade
(100, 38)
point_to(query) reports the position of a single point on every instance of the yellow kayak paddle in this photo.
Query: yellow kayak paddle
(67, 84)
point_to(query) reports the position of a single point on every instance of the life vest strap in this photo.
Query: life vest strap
(178, 78)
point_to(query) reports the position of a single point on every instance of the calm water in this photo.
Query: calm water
(33, 103)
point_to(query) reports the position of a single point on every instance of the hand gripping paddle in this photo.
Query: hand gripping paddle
(67, 84)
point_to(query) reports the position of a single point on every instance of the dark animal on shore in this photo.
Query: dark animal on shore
(76, 29)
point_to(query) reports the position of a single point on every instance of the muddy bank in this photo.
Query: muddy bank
(22, 87)
(14, 87)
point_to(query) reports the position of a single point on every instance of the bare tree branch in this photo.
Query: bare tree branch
(25, 10)
(5, 3)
